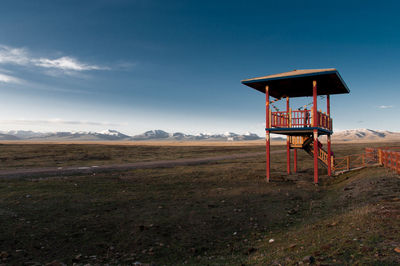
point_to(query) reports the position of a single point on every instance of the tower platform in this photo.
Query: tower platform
(302, 127)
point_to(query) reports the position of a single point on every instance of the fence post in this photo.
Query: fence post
(386, 158)
(392, 161)
(348, 162)
(320, 118)
(363, 159)
(312, 116)
(398, 162)
(380, 156)
(270, 119)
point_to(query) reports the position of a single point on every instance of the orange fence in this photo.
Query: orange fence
(372, 156)
(349, 162)
(388, 157)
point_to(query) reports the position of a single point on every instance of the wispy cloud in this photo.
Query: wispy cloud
(66, 63)
(57, 121)
(10, 55)
(385, 106)
(22, 57)
(8, 79)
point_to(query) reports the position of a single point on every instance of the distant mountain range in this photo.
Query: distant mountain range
(113, 135)
(109, 135)
(363, 134)
(63, 136)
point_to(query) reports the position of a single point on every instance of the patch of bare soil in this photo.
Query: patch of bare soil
(212, 214)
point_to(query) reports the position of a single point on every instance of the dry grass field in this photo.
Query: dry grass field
(29, 155)
(222, 213)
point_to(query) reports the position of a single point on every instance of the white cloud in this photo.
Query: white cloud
(57, 121)
(65, 63)
(8, 79)
(385, 106)
(10, 55)
(21, 56)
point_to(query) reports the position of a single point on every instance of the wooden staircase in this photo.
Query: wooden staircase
(307, 143)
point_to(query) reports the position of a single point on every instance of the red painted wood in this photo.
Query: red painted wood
(300, 118)
(328, 112)
(328, 105)
(288, 155)
(398, 162)
(315, 132)
(268, 157)
(267, 137)
(329, 155)
(295, 160)
(288, 138)
(315, 111)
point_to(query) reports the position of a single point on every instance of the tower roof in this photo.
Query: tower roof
(299, 83)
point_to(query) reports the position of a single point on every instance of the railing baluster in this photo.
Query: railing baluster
(300, 118)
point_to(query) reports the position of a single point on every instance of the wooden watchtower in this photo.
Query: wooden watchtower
(302, 127)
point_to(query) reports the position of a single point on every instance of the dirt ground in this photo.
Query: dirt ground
(222, 213)
(22, 156)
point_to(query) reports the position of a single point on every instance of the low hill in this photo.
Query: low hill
(365, 135)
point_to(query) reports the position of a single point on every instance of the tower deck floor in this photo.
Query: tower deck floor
(299, 131)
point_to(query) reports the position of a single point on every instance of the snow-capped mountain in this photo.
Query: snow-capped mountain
(152, 134)
(363, 134)
(116, 135)
(162, 135)
(112, 135)
(64, 136)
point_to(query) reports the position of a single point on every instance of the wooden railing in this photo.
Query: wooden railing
(323, 155)
(298, 141)
(280, 119)
(324, 121)
(349, 162)
(388, 157)
(371, 156)
(299, 119)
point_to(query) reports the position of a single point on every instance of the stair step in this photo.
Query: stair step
(307, 143)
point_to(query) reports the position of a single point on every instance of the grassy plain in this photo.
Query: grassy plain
(30, 155)
(222, 213)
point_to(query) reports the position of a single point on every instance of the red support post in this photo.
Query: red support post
(329, 155)
(315, 132)
(288, 155)
(398, 162)
(295, 160)
(288, 137)
(267, 137)
(328, 112)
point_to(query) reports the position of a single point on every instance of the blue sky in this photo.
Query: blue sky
(176, 65)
